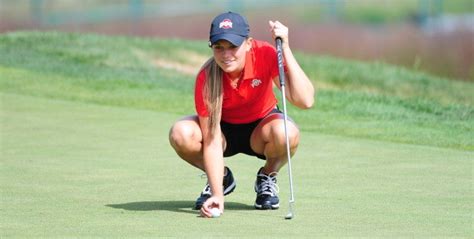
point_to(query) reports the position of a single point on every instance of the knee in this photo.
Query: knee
(180, 135)
(278, 134)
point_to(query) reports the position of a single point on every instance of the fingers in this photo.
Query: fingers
(212, 202)
(278, 30)
(272, 24)
(206, 211)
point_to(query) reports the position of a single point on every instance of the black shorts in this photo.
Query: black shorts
(238, 137)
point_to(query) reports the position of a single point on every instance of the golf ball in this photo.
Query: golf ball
(215, 212)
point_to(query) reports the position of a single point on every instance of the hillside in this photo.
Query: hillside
(366, 100)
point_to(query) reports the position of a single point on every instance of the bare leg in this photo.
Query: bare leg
(186, 138)
(268, 139)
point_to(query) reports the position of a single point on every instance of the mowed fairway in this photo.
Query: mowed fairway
(72, 169)
(84, 120)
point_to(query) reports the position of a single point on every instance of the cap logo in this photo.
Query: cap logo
(226, 24)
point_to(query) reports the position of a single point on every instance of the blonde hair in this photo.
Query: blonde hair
(213, 93)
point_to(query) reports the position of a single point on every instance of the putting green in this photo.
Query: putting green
(72, 169)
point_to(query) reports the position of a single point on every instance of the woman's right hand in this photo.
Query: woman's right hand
(279, 30)
(212, 202)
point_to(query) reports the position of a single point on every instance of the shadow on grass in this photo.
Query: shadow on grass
(174, 206)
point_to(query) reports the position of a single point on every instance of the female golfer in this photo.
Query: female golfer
(237, 111)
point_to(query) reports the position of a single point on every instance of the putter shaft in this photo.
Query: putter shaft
(282, 84)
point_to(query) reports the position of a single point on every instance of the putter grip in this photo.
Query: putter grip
(281, 70)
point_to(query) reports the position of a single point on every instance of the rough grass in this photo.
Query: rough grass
(370, 100)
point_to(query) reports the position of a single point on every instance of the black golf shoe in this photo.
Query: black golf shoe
(267, 191)
(229, 186)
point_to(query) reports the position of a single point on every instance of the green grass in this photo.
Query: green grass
(72, 169)
(375, 101)
(376, 12)
(386, 152)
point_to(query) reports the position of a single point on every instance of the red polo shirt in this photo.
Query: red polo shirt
(253, 98)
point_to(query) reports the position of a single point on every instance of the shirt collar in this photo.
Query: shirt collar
(249, 72)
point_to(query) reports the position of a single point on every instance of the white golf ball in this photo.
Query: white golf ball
(215, 212)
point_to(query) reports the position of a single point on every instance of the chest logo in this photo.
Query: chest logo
(256, 82)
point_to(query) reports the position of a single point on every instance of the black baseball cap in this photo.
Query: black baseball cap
(229, 26)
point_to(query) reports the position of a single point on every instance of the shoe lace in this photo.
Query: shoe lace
(267, 184)
(207, 188)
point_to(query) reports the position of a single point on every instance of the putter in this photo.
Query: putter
(281, 73)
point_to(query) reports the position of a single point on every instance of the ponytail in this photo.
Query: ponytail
(213, 93)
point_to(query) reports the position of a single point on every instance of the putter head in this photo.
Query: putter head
(290, 214)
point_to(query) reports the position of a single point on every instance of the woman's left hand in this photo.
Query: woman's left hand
(279, 30)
